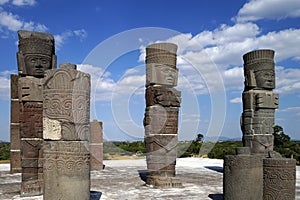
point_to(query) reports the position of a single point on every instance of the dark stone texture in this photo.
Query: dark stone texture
(36, 53)
(279, 178)
(31, 120)
(162, 96)
(243, 177)
(161, 120)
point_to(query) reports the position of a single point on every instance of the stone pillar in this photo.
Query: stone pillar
(161, 115)
(96, 145)
(259, 102)
(35, 55)
(15, 137)
(279, 178)
(66, 122)
(243, 176)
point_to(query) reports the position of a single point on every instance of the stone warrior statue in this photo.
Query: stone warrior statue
(259, 102)
(161, 115)
(36, 55)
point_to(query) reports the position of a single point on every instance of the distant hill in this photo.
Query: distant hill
(220, 139)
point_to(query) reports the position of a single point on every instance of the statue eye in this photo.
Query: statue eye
(44, 61)
(33, 60)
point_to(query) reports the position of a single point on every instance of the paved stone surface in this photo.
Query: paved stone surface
(201, 179)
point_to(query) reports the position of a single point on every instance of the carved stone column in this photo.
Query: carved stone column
(66, 121)
(161, 115)
(36, 54)
(243, 176)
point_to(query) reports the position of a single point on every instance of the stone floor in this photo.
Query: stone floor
(122, 179)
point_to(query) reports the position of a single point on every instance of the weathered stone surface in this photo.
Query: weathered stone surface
(162, 53)
(259, 69)
(243, 177)
(15, 140)
(36, 53)
(161, 75)
(32, 180)
(31, 120)
(96, 145)
(66, 96)
(161, 115)
(14, 79)
(260, 144)
(66, 170)
(162, 96)
(279, 178)
(15, 152)
(259, 102)
(30, 89)
(15, 161)
(161, 120)
(161, 64)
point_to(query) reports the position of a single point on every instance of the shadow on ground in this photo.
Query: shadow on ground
(215, 168)
(216, 196)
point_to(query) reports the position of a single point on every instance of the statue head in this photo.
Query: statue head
(161, 64)
(161, 75)
(36, 53)
(259, 69)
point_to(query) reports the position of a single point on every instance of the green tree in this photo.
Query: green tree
(280, 138)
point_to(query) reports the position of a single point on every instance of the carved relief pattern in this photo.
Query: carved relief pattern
(32, 119)
(279, 179)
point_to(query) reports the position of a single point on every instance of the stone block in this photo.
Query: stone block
(31, 120)
(66, 95)
(30, 89)
(15, 140)
(32, 187)
(161, 75)
(14, 79)
(161, 120)
(166, 97)
(243, 177)
(259, 144)
(14, 111)
(67, 131)
(96, 153)
(66, 170)
(31, 148)
(279, 178)
(96, 132)
(15, 161)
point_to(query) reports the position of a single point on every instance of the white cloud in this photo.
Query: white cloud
(101, 83)
(2, 2)
(236, 100)
(24, 2)
(60, 39)
(5, 84)
(14, 23)
(288, 80)
(219, 54)
(295, 110)
(268, 9)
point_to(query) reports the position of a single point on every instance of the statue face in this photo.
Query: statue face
(36, 65)
(265, 79)
(168, 74)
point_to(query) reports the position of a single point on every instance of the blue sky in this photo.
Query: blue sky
(107, 39)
